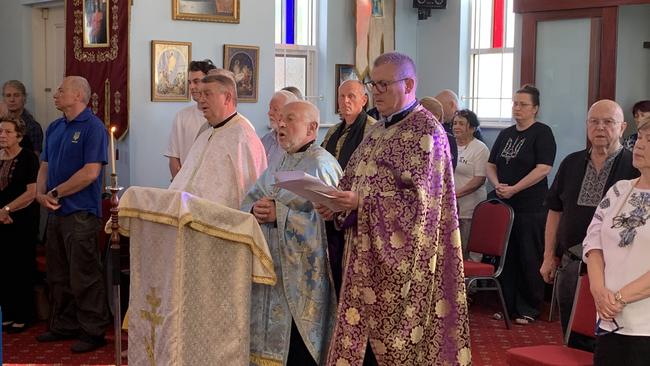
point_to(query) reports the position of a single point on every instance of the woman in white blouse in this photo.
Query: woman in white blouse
(469, 175)
(617, 252)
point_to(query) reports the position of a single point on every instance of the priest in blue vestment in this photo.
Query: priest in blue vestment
(291, 322)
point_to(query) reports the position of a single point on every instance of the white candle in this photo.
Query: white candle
(112, 150)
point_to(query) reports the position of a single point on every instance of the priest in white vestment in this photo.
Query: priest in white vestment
(227, 159)
(291, 322)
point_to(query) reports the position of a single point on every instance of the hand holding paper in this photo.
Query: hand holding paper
(309, 187)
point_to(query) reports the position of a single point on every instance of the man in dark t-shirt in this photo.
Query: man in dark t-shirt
(580, 183)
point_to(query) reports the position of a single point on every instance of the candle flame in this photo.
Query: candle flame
(113, 129)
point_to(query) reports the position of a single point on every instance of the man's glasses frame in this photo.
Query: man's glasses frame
(382, 85)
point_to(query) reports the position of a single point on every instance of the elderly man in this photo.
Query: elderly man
(189, 120)
(15, 96)
(403, 297)
(226, 159)
(69, 185)
(270, 141)
(580, 183)
(450, 103)
(291, 322)
(341, 140)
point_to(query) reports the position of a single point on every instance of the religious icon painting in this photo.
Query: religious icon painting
(378, 8)
(243, 61)
(169, 64)
(95, 23)
(343, 72)
(222, 11)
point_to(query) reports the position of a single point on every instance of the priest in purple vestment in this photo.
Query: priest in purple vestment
(403, 297)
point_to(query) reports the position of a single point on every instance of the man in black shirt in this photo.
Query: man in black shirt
(580, 183)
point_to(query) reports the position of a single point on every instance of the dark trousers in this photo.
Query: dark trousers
(17, 270)
(75, 275)
(567, 282)
(618, 349)
(298, 353)
(335, 249)
(523, 286)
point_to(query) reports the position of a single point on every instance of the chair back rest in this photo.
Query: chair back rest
(583, 313)
(491, 225)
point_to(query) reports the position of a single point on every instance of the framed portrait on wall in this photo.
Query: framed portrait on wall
(95, 23)
(169, 63)
(343, 72)
(378, 8)
(222, 11)
(243, 61)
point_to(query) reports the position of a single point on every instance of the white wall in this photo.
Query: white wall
(16, 45)
(150, 122)
(632, 60)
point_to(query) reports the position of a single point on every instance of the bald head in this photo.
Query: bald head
(308, 111)
(434, 106)
(606, 108)
(298, 126)
(449, 101)
(81, 85)
(605, 125)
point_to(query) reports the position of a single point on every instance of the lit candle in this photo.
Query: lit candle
(113, 150)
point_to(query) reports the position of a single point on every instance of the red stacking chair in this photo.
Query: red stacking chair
(489, 234)
(583, 318)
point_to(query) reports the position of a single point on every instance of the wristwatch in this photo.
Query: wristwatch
(619, 298)
(54, 193)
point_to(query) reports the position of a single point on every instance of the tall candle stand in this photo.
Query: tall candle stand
(115, 262)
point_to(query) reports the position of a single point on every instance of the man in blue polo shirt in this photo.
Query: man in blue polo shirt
(69, 186)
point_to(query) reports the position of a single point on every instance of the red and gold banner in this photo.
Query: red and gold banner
(97, 48)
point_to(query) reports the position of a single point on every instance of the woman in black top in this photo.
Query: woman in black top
(520, 159)
(19, 220)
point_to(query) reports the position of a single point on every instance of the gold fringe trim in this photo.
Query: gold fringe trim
(187, 219)
(264, 361)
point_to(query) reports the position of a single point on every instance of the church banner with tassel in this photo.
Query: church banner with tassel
(97, 48)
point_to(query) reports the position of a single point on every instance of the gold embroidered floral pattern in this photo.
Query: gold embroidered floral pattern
(152, 316)
(352, 316)
(409, 205)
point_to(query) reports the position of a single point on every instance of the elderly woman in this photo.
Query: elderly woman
(470, 171)
(521, 158)
(640, 111)
(18, 226)
(617, 252)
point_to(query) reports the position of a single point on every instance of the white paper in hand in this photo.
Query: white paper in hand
(307, 186)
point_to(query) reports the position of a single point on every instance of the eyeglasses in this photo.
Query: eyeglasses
(594, 122)
(599, 331)
(520, 104)
(382, 85)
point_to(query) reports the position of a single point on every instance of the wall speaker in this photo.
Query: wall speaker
(430, 4)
